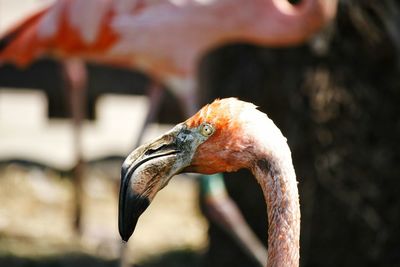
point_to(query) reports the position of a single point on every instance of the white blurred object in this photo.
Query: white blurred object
(22, 108)
(26, 132)
(11, 11)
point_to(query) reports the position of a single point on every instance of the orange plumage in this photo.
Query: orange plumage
(24, 43)
(14, 44)
(229, 143)
(246, 138)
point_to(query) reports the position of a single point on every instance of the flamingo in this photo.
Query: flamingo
(165, 39)
(224, 136)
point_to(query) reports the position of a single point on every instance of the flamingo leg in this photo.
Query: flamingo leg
(75, 77)
(155, 92)
(223, 210)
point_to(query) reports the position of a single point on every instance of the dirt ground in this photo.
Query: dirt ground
(36, 221)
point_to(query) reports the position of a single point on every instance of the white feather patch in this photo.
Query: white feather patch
(86, 16)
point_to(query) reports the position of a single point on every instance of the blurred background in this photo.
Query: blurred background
(335, 98)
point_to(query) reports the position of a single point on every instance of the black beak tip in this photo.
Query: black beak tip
(131, 206)
(126, 229)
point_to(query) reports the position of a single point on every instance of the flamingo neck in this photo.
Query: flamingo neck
(275, 173)
(285, 24)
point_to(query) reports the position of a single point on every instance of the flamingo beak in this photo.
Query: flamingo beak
(148, 169)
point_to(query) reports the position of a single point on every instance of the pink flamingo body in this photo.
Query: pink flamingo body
(162, 38)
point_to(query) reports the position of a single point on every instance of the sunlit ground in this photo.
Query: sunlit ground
(36, 218)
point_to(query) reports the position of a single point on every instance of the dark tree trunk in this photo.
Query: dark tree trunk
(338, 105)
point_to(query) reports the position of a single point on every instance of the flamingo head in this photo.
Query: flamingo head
(213, 140)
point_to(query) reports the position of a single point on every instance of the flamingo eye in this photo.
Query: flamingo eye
(206, 129)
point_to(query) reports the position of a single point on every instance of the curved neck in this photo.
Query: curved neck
(284, 24)
(275, 173)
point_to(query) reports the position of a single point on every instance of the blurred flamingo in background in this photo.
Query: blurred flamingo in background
(166, 40)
